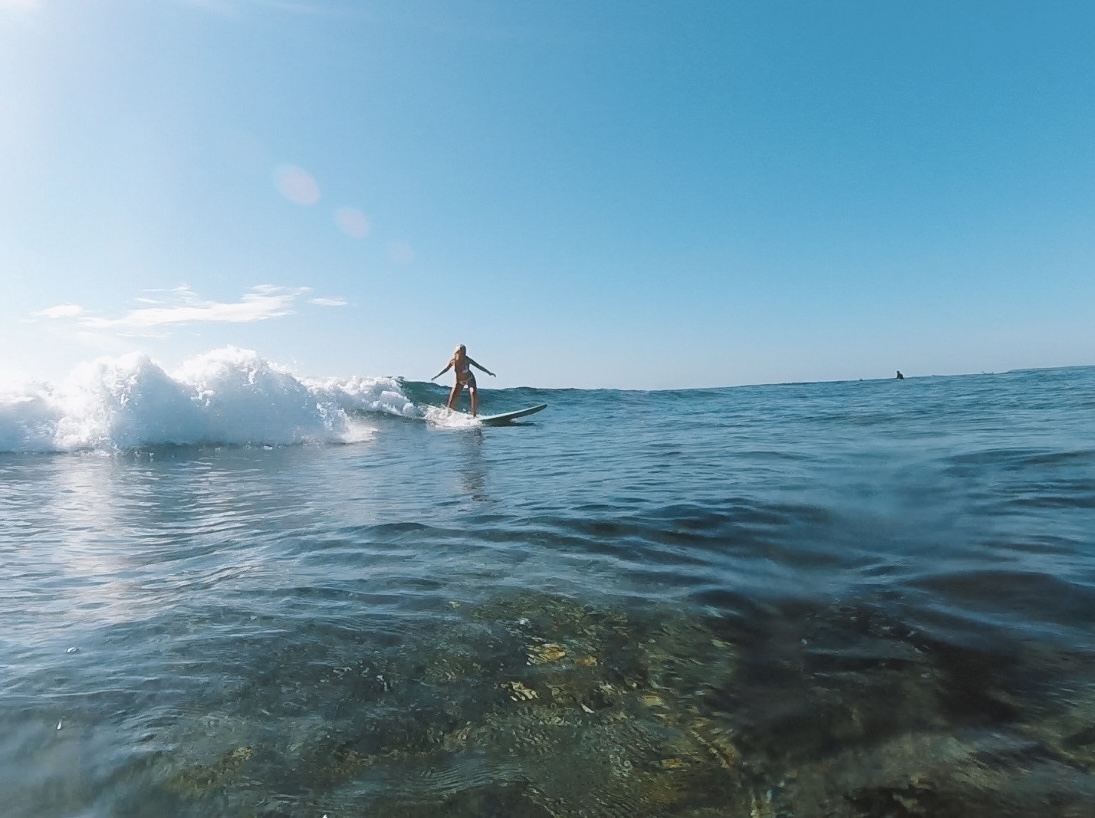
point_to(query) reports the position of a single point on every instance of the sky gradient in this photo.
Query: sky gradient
(588, 194)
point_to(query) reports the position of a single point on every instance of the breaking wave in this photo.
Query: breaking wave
(228, 396)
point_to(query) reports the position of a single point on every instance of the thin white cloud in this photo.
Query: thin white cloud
(328, 302)
(183, 306)
(21, 5)
(260, 304)
(60, 311)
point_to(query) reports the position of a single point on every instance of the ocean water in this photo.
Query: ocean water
(233, 590)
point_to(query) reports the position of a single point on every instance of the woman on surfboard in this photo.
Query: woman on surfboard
(462, 364)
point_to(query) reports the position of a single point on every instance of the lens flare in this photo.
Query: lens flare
(297, 185)
(352, 222)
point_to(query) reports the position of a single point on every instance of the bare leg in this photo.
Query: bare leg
(454, 395)
(474, 400)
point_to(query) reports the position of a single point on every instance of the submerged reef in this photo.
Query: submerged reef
(542, 706)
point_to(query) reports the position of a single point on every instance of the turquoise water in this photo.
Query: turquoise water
(271, 596)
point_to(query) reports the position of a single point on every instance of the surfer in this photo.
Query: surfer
(462, 364)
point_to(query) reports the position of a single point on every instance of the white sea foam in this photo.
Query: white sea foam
(447, 419)
(228, 396)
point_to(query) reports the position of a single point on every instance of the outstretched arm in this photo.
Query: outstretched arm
(481, 368)
(448, 366)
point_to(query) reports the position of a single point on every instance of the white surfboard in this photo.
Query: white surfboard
(506, 417)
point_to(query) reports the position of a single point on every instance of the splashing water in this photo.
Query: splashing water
(228, 396)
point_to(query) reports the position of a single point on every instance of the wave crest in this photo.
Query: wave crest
(228, 396)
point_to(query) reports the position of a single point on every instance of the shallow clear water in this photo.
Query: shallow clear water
(811, 599)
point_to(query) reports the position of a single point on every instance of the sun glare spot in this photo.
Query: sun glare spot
(297, 185)
(352, 222)
(20, 5)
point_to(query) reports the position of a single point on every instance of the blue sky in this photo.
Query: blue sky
(590, 194)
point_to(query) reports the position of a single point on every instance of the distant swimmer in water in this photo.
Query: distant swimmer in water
(462, 364)
(900, 377)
